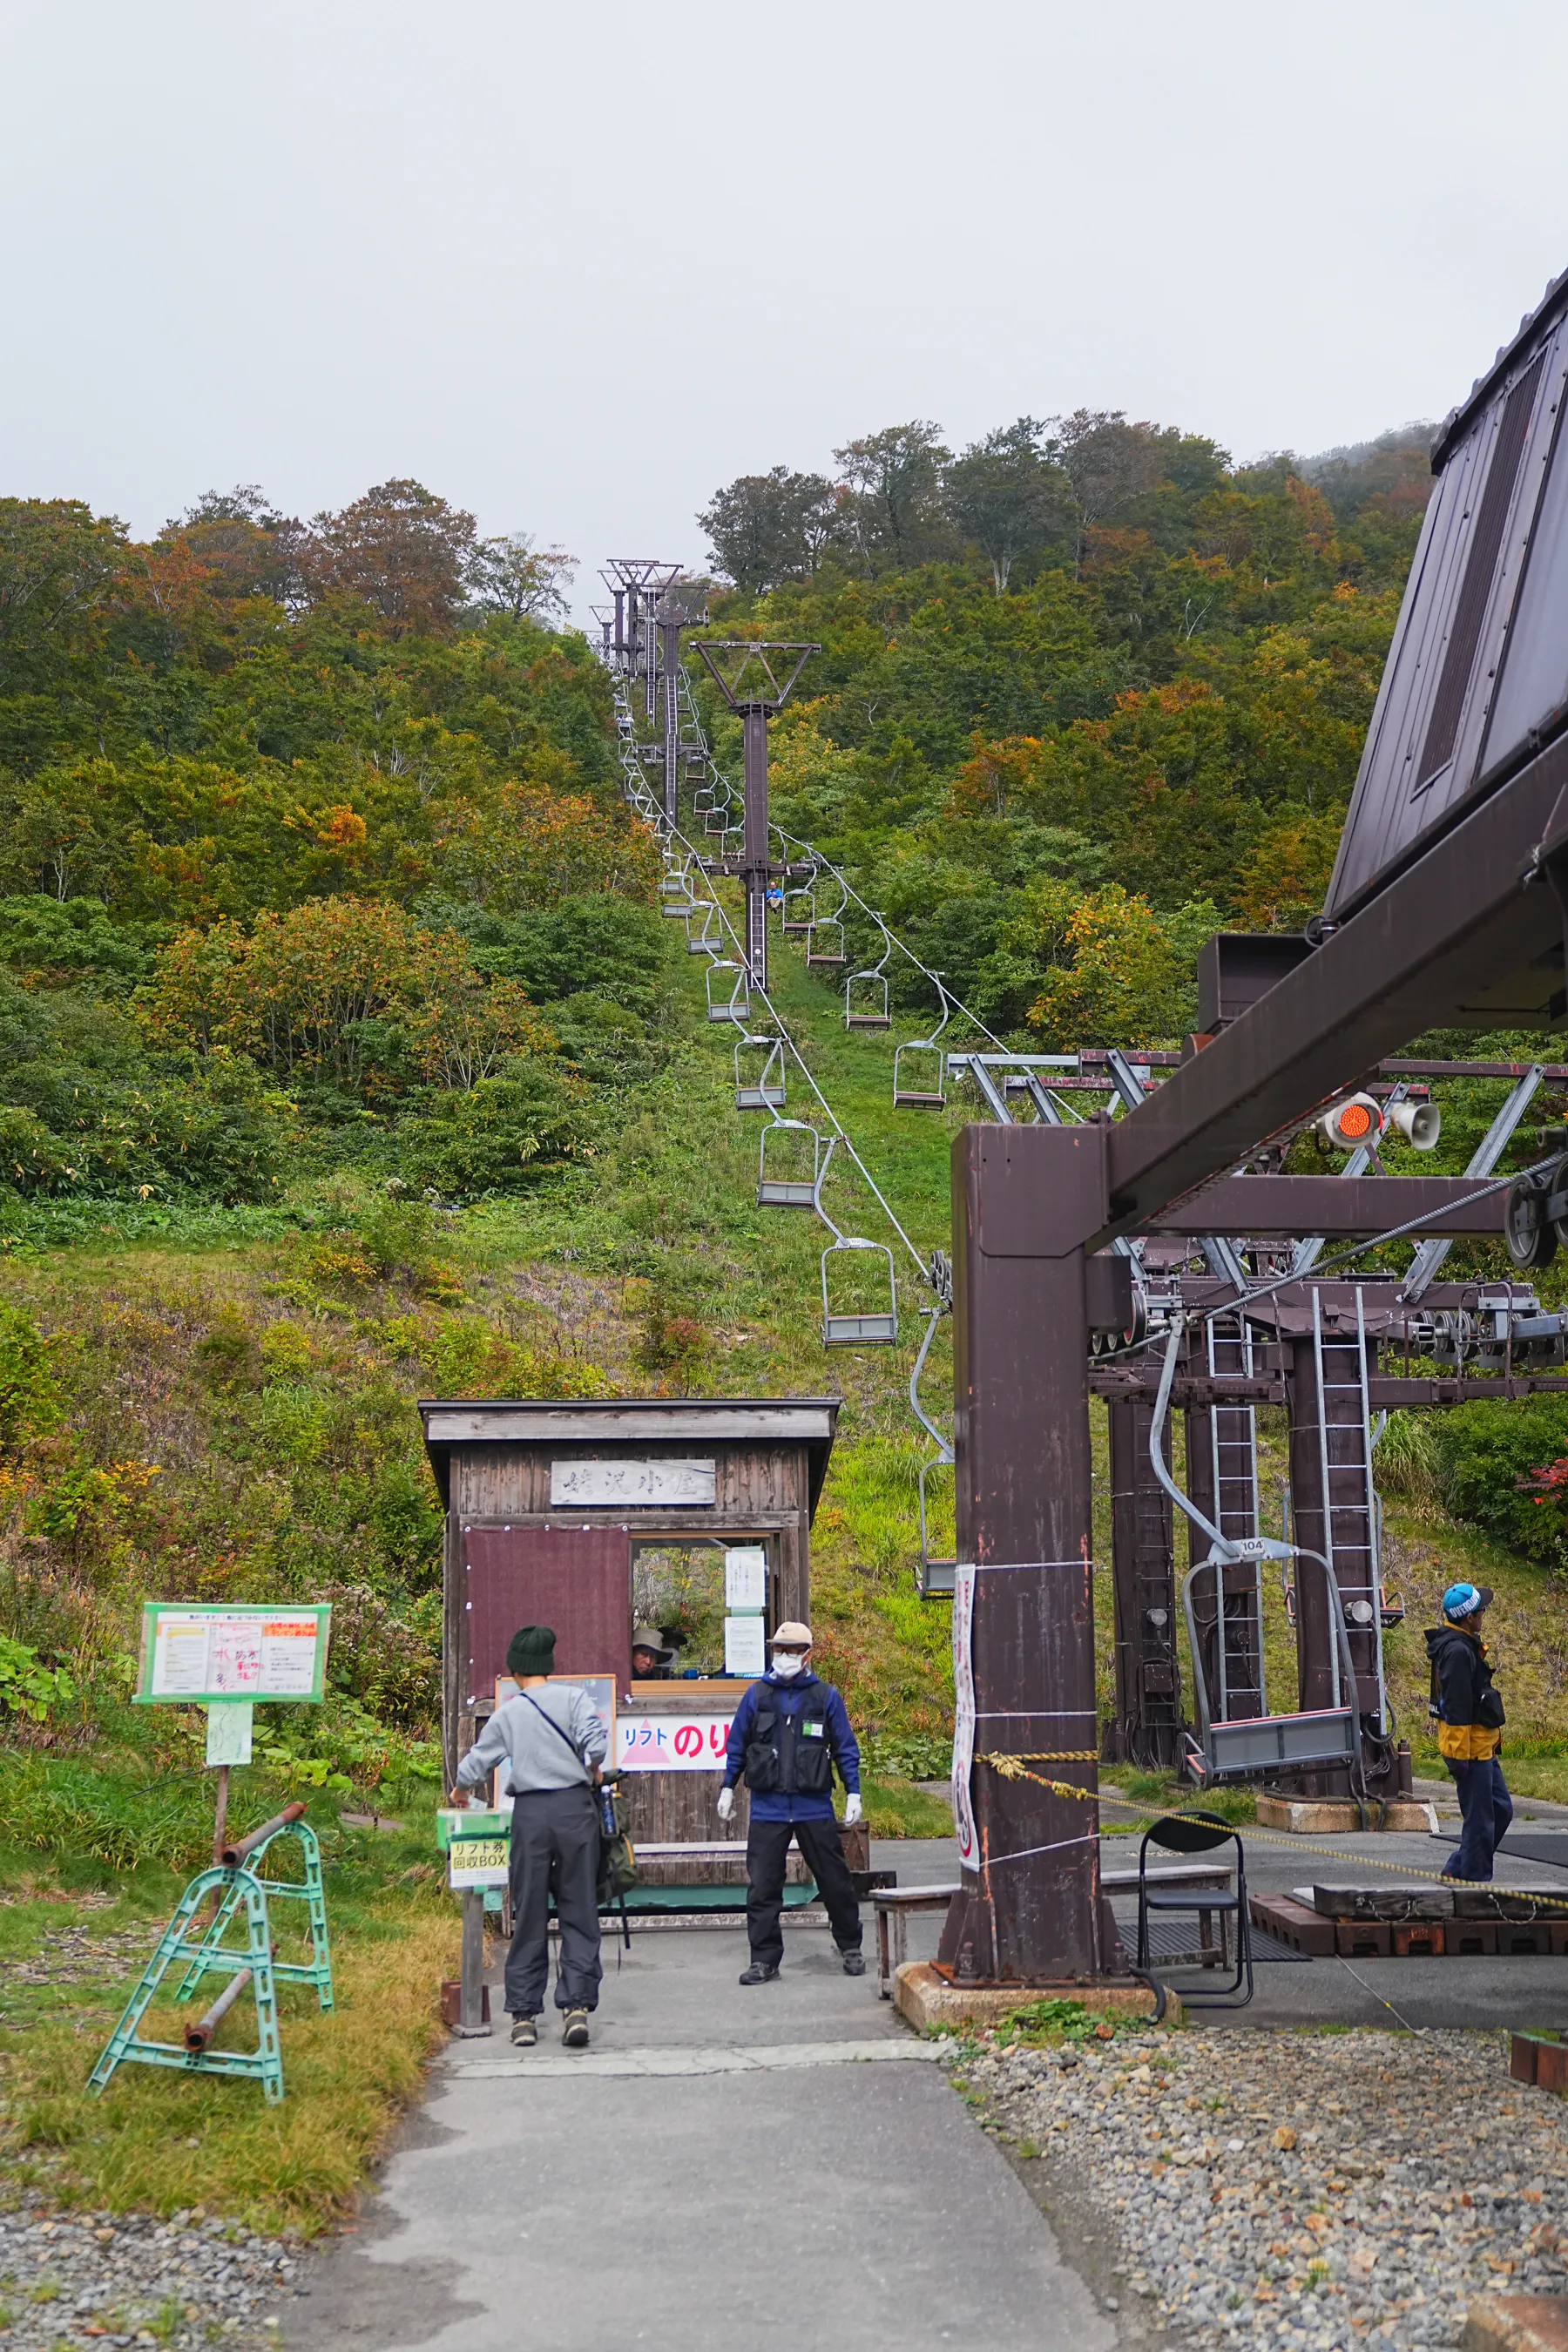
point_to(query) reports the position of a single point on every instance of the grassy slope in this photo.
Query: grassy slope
(567, 1278)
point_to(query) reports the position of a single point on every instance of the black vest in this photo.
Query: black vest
(788, 1753)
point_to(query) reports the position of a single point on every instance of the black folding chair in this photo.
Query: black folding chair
(1197, 1833)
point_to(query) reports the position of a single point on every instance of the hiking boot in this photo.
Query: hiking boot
(758, 1974)
(853, 1963)
(574, 2033)
(525, 2033)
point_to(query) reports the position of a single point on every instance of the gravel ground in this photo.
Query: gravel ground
(1323, 2190)
(128, 2279)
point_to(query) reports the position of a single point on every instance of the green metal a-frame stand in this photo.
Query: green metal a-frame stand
(235, 1886)
(210, 1956)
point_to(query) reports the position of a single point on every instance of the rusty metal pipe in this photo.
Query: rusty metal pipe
(236, 1853)
(198, 2035)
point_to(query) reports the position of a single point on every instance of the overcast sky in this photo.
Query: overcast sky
(575, 265)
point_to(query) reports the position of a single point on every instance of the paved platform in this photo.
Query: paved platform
(725, 2161)
(723, 2153)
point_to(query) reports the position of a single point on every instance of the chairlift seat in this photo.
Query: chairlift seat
(862, 1330)
(766, 1090)
(933, 1578)
(737, 1004)
(775, 1192)
(907, 1101)
(857, 1017)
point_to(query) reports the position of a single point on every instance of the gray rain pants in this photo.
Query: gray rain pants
(554, 1850)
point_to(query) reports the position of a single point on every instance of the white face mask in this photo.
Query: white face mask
(786, 1664)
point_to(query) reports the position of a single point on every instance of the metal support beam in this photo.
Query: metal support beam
(1148, 1728)
(1022, 1198)
(669, 642)
(1470, 935)
(754, 855)
(1288, 1206)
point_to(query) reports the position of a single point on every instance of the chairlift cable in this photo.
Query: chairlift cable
(794, 840)
(838, 1129)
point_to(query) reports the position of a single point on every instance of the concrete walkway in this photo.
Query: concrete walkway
(723, 2165)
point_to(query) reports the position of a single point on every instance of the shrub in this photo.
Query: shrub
(496, 1138)
(26, 1686)
(1484, 1450)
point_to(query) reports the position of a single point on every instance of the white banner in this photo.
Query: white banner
(672, 1743)
(963, 1713)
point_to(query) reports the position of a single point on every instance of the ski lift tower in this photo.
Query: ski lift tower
(637, 583)
(682, 605)
(749, 677)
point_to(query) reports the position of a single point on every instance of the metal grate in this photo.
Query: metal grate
(1475, 586)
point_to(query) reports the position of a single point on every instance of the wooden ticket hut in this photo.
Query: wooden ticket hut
(549, 1503)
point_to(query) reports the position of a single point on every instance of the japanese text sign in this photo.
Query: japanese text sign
(672, 1743)
(192, 1655)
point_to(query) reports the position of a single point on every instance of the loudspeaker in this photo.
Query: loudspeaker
(1419, 1123)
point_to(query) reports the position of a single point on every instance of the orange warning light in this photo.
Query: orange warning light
(1354, 1121)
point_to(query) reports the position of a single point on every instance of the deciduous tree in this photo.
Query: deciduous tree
(768, 528)
(400, 551)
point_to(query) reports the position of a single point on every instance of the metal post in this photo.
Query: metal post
(1148, 1729)
(669, 633)
(620, 639)
(1022, 1198)
(754, 856)
(471, 1972)
(650, 658)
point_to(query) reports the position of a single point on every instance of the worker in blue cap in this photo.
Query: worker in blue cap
(1469, 1717)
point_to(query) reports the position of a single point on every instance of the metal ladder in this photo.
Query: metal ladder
(1349, 1502)
(1240, 1684)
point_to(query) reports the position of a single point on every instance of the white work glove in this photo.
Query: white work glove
(726, 1803)
(851, 1811)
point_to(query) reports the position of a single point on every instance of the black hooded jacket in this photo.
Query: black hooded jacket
(1462, 1694)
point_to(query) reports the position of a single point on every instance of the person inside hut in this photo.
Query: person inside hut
(552, 1742)
(651, 1662)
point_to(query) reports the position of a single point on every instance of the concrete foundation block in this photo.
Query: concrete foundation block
(1517, 2323)
(1332, 1817)
(927, 1997)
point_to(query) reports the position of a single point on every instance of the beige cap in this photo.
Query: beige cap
(791, 1635)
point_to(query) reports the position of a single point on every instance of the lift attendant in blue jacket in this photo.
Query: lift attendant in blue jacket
(789, 1732)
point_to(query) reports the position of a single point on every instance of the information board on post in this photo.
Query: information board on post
(195, 1655)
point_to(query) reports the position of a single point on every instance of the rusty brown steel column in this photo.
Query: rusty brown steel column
(754, 853)
(1147, 1730)
(669, 639)
(1023, 1199)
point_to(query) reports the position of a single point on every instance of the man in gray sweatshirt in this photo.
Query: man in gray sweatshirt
(551, 1744)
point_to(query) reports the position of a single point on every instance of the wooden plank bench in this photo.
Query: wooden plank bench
(893, 1906)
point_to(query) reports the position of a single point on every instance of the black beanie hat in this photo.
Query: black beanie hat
(531, 1650)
